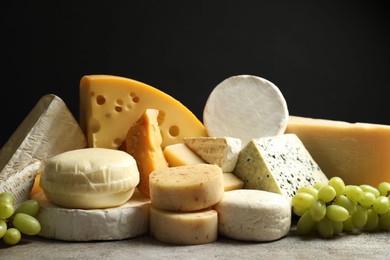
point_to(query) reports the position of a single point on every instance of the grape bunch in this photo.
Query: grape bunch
(332, 208)
(15, 222)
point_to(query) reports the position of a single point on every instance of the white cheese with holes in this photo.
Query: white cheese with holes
(245, 107)
(253, 215)
(279, 164)
(49, 129)
(128, 220)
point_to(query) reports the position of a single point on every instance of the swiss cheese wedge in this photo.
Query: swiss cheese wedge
(357, 152)
(109, 105)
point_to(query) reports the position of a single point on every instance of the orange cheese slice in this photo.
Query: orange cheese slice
(356, 152)
(109, 105)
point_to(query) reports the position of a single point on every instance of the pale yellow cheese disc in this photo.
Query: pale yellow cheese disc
(186, 188)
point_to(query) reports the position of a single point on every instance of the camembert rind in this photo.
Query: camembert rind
(48, 129)
(109, 105)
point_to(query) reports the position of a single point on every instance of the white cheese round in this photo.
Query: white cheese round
(90, 178)
(253, 215)
(128, 220)
(245, 107)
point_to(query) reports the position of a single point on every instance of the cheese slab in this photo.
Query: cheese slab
(143, 142)
(184, 228)
(222, 151)
(279, 164)
(356, 152)
(48, 129)
(186, 188)
(245, 107)
(232, 182)
(253, 215)
(109, 105)
(180, 154)
(128, 220)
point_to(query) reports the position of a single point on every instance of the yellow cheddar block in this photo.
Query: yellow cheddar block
(357, 152)
(180, 155)
(143, 142)
(109, 105)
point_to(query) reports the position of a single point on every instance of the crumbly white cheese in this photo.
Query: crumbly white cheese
(253, 215)
(279, 164)
(126, 221)
(49, 129)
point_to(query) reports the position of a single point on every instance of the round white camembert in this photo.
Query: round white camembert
(90, 178)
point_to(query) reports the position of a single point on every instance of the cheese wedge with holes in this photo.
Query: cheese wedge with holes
(186, 188)
(48, 129)
(279, 164)
(180, 155)
(356, 152)
(143, 142)
(128, 220)
(222, 151)
(184, 228)
(109, 105)
(245, 107)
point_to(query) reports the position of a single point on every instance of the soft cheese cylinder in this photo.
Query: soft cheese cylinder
(186, 188)
(357, 152)
(186, 228)
(253, 215)
(90, 178)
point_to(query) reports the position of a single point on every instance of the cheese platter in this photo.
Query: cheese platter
(139, 170)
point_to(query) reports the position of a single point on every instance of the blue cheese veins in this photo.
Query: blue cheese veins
(279, 164)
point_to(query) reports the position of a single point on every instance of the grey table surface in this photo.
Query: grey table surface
(344, 246)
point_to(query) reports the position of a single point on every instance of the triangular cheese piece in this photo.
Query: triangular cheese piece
(49, 129)
(143, 142)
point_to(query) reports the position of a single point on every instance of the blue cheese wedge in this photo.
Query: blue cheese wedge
(279, 164)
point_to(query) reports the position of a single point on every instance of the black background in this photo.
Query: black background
(330, 59)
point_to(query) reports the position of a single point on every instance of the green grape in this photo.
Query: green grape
(7, 196)
(368, 199)
(343, 201)
(354, 193)
(12, 236)
(359, 218)
(302, 199)
(3, 227)
(6, 209)
(29, 207)
(337, 213)
(337, 227)
(26, 224)
(317, 210)
(384, 188)
(325, 228)
(299, 211)
(372, 223)
(369, 188)
(305, 224)
(381, 205)
(318, 185)
(384, 221)
(310, 190)
(326, 193)
(338, 184)
(348, 225)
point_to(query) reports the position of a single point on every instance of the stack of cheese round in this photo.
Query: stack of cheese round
(181, 199)
(88, 195)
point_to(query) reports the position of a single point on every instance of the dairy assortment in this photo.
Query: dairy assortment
(141, 163)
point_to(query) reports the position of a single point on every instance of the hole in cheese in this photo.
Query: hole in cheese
(117, 142)
(174, 130)
(95, 125)
(100, 100)
(160, 117)
(118, 109)
(134, 97)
